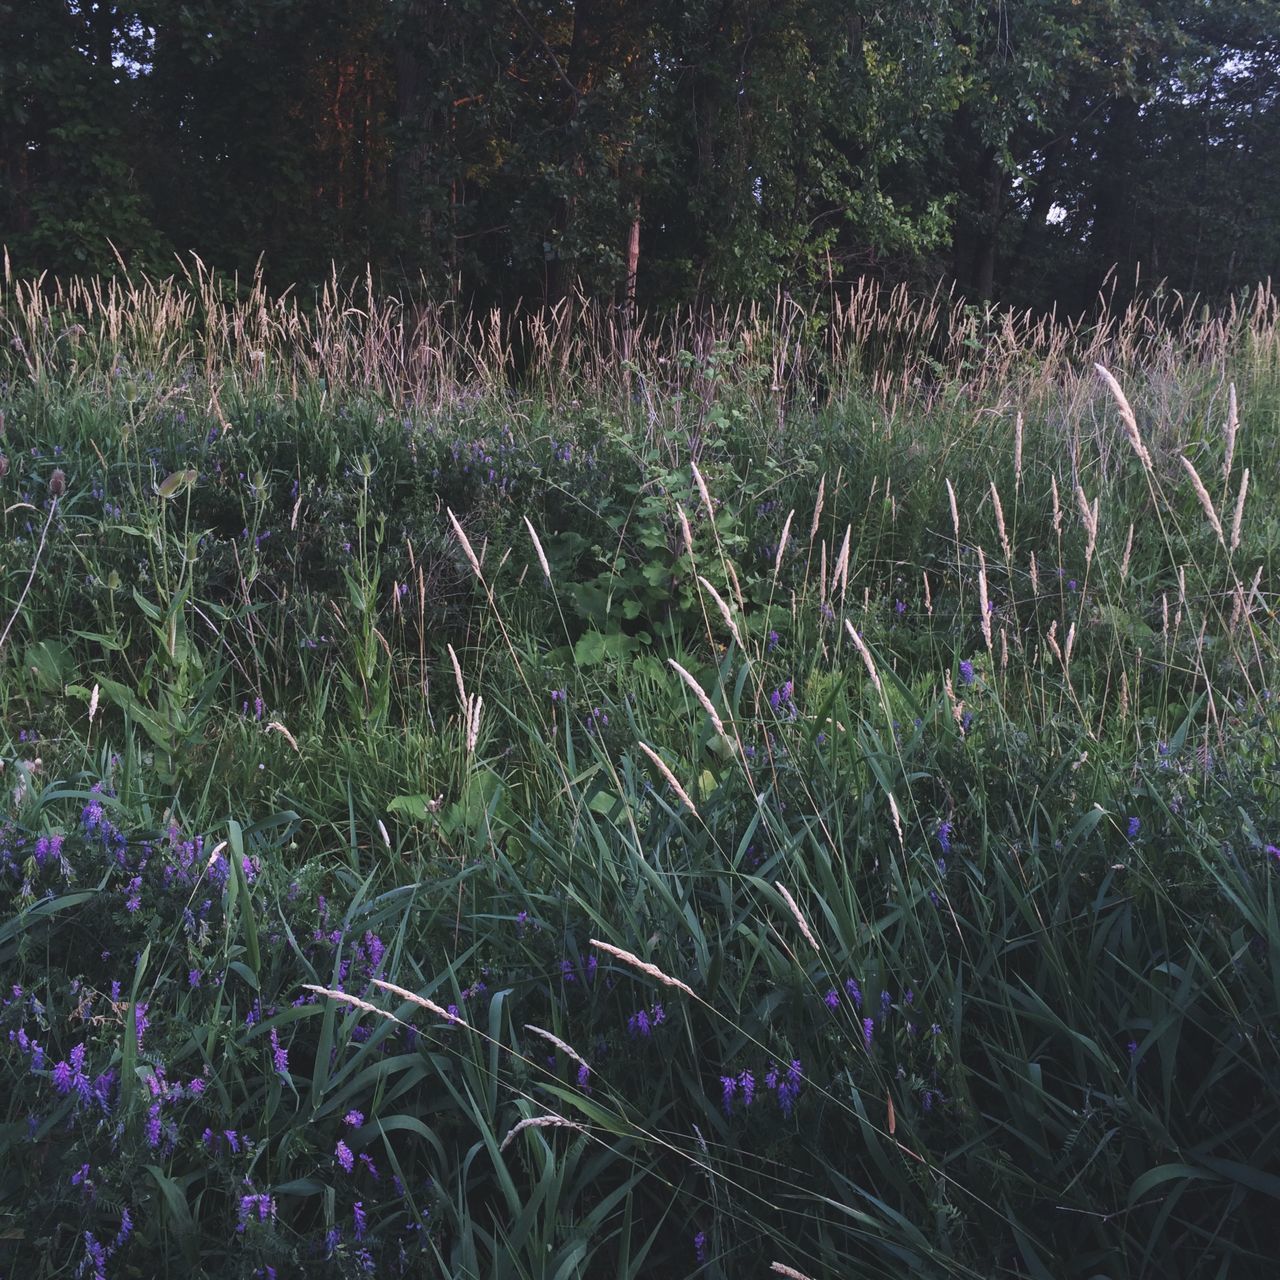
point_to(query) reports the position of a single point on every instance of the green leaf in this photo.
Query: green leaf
(179, 1215)
(236, 842)
(175, 482)
(1144, 1185)
(416, 807)
(590, 649)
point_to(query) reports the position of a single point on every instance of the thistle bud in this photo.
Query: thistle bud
(57, 483)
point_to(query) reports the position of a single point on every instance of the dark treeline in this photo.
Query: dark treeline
(711, 150)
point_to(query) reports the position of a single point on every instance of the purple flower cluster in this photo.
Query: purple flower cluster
(259, 1205)
(69, 1074)
(642, 1022)
(97, 1254)
(783, 1083)
(700, 1247)
(279, 1054)
(782, 700)
(233, 1141)
(48, 852)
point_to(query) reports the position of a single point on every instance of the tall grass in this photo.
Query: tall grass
(803, 793)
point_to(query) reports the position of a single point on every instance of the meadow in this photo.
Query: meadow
(775, 794)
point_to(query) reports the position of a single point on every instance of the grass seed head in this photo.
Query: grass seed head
(794, 908)
(1206, 502)
(671, 778)
(642, 966)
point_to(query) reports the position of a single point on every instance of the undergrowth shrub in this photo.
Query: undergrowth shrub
(676, 817)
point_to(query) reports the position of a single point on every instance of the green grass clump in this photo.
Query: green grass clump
(750, 802)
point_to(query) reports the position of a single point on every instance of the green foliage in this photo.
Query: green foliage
(500, 153)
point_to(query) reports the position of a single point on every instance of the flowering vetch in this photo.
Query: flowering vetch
(728, 1088)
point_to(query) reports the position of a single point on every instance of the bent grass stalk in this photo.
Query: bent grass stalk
(672, 780)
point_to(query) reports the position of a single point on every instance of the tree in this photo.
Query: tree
(69, 193)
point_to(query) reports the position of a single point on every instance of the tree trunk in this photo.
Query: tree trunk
(633, 270)
(410, 165)
(578, 77)
(986, 226)
(1112, 239)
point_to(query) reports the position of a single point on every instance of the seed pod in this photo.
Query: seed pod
(57, 483)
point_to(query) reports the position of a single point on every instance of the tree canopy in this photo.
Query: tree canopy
(506, 151)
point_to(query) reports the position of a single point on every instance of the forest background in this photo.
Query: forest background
(504, 152)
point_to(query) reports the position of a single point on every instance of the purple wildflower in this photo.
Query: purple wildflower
(357, 1213)
(966, 672)
(353, 1119)
(747, 1083)
(868, 1031)
(95, 1257)
(700, 1247)
(345, 1158)
(263, 1205)
(153, 1126)
(584, 1077)
(855, 992)
(279, 1054)
(832, 999)
(728, 1087)
(1135, 825)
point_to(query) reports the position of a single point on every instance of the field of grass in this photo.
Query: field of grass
(769, 796)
